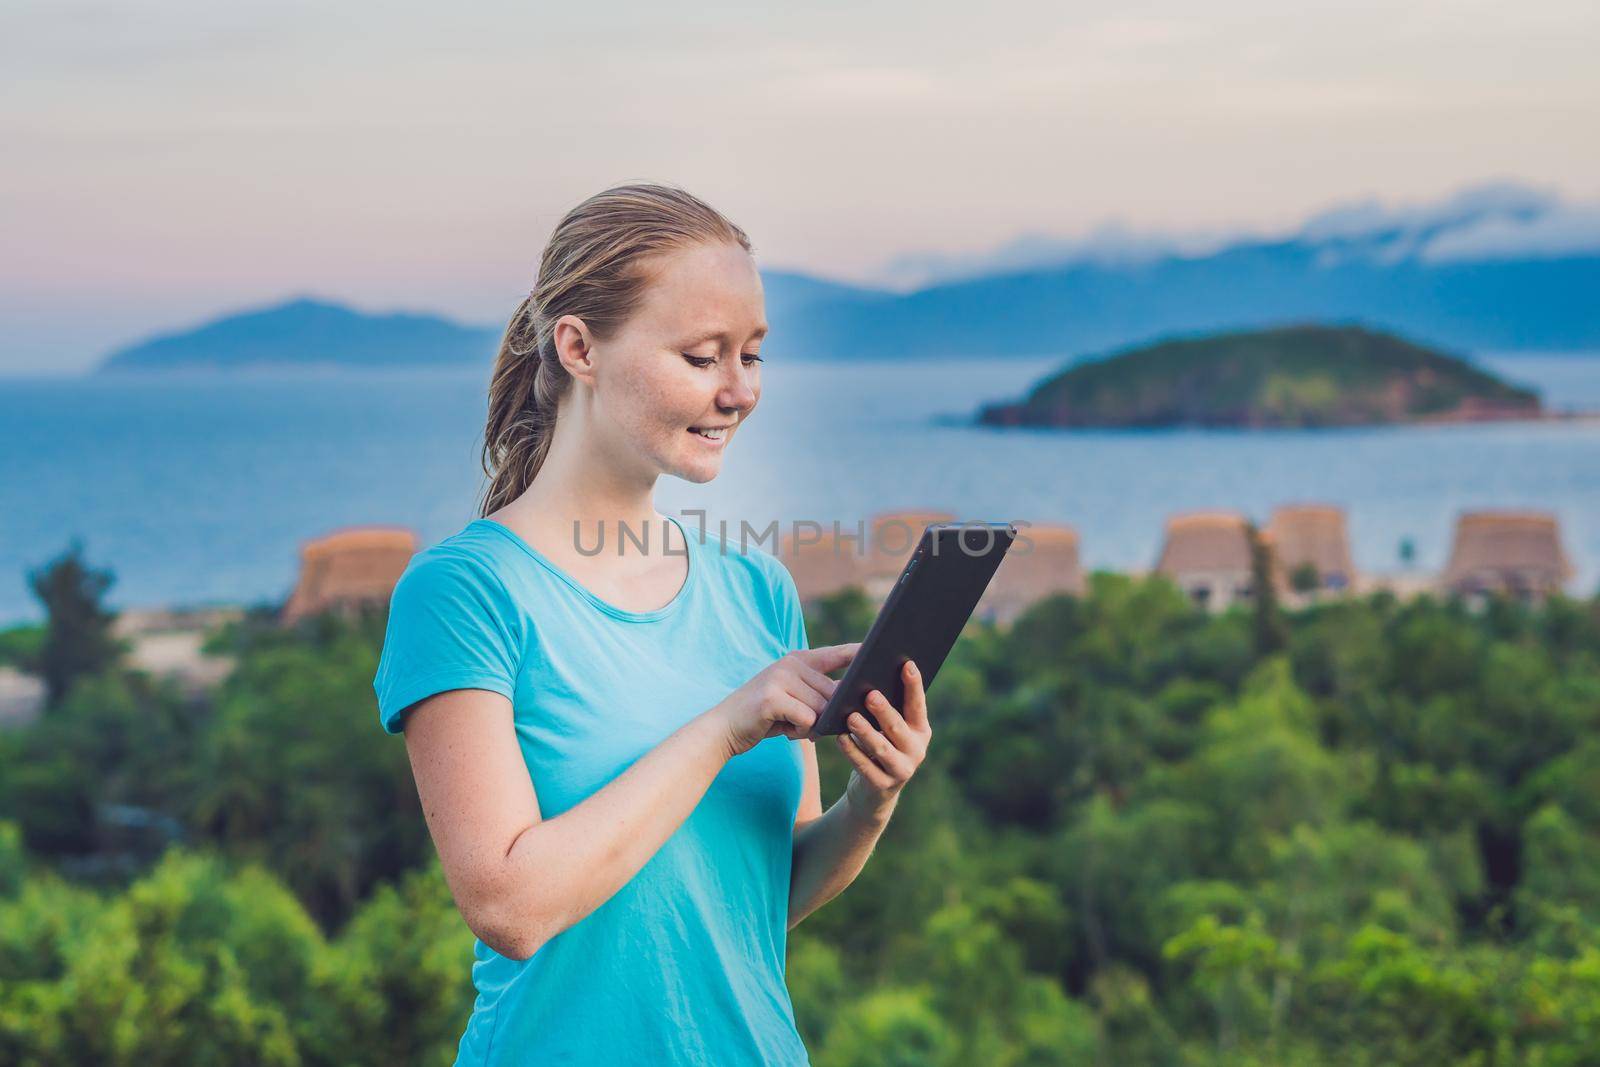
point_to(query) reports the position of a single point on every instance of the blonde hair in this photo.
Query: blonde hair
(590, 268)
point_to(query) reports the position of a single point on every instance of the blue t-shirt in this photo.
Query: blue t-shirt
(685, 964)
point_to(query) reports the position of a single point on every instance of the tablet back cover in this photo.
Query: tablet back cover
(922, 617)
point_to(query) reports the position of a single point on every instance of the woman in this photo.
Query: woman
(607, 744)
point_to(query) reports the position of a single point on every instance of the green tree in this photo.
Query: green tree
(108, 772)
(890, 1028)
(1304, 578)
(293, 771)
(78, 640)
(406, 961)
(20, 646)
(151, 982)
(1271, 633)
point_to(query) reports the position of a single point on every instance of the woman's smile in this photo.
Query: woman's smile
(713, 436)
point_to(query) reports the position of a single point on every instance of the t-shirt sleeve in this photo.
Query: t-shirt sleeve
(790, 612)
(449, 628)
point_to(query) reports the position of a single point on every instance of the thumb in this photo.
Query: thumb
(828, 657)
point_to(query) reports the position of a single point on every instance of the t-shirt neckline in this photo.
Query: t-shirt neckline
(583, 591)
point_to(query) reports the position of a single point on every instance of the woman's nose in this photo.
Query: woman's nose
(738, 393)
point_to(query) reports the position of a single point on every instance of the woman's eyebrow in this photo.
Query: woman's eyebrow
(708, 335)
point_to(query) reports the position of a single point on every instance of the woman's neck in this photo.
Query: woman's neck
(589, 486)
(562, 506)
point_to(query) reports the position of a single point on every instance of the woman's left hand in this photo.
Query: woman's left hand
(885, 759)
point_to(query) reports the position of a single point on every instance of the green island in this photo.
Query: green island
(1286, 377)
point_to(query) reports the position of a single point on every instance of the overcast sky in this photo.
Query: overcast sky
(166, 162)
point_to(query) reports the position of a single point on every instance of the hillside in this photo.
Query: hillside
(309, 332)
(1294, 376)
(1441, 273)
(1494, 268)
(1501, 305)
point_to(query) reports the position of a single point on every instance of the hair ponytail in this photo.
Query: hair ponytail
(588, 269)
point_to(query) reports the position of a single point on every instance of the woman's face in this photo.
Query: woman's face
(682, 373)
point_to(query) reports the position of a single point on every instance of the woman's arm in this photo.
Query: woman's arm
(829, 849)
(519, 879)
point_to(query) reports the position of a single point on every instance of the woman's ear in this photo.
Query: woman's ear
(574, 347)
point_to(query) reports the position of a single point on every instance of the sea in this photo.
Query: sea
(200, 488)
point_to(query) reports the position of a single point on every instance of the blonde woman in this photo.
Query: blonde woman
(608, 744)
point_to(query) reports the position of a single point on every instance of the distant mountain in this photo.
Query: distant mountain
(790, 295)
(1496, 220)
(1504, 304)
(308, 332)
(1298, 376)
(1498, 268)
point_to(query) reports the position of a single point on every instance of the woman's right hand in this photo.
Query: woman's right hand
(784, 698)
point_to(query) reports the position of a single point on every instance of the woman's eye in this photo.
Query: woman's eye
(750, 359)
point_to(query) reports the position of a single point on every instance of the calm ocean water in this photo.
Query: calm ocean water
(201, 489)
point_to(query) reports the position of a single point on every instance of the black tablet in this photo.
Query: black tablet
(921, 618)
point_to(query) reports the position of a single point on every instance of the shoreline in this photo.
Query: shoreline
(1448, 419)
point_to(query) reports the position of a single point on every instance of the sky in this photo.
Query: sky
(171, 161)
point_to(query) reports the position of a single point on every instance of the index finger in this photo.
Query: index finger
(828, 657)
(916, 695)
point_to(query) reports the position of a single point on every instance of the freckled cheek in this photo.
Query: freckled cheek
(642, 387)
(666, 405)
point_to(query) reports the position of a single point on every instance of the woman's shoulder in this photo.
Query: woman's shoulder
(742, 558)
(472, 557)
(743, 547)
(451, 625)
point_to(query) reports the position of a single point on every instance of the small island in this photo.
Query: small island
(306, 332)
(1300, 376)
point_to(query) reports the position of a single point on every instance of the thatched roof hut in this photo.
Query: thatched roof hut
(349, 568)
(821, 563)
(827, 562)
(1506, 551)
(868, 553)
(893, 535)
(1207, 553)
(1046, 565)
(891, 538)
(1314, 535)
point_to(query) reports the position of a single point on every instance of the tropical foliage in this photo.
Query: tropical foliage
(1364, 833)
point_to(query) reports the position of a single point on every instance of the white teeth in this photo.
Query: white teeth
(714, 435)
